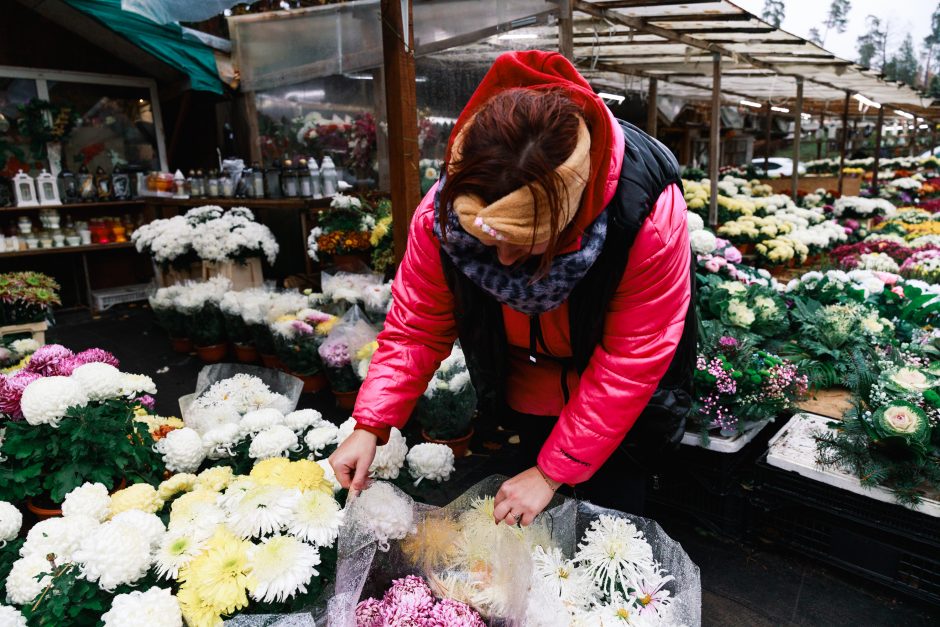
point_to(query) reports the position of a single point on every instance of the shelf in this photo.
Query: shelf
(79, 205)
(251, 203)
(34, 252)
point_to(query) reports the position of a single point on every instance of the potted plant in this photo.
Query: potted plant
(26, 297)
(447, 407)
(237, 331)
(163, 305)
(343, 342)
(297, 340)
(343, 232)
(205, 324)
(67, 422)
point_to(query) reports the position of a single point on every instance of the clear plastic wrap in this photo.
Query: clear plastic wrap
(279, 382)
(464, 556)
(345, 346)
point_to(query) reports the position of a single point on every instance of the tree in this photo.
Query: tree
(934, 91)
(931, 41)
(871, 45)
(838, 17)
(774, 12)
(815, 36)
(903, 66)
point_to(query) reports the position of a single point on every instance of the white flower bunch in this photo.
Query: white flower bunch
(88, 499)
(434, 462)
(234, 235)
(694, 222)
(342, 201)
(115, 553)
(862, 207)
(906, 183)
(877, 261)
(165, 240)
(320, 437)
(46, 400)
(11, 617)
(275, 441)
(234, 397)
(11, 521)
(703, 241)
(157, 607)
(194, 295)
(349, 287)
(389, 457)
(24, 346)
(388, 514)
(182, 450)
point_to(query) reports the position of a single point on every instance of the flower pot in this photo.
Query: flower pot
(460, 446)
(182, 344)
(212, 354)
(746, 248)
(40, 511)
(346, 400)
(313, 383)
(272, 361)
(246, 353)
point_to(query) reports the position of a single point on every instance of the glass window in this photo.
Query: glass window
(14, 147)
(115, 126)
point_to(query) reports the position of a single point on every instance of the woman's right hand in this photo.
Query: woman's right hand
(352, 459)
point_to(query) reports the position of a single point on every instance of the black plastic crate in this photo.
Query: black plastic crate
(882, 542)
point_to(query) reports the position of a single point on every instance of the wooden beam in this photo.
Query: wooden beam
(633, 4)
(878, 129)
(652, 110)
(566, 30)
(845, 138)
(700, 17)
(381, 135)
(714, 144)
(797, 136)
(399, 62)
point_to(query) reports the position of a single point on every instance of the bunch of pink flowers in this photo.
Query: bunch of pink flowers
(410, 603)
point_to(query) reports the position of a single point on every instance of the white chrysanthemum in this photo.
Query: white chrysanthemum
(695, 222)
(182, 450)
(387, 513)
(114, 554)
(346, 429)
(46, 400)
(321, 437)
(620, 612)
(703, 242)
(567, 582)
(133, 385)
(614, 553)
(58, 536)
(198, 520)
(390, 457)
(205, 419)
(275, 441)
(90, 499)
(177, 550)
(11, 521)
(329, 474)
(279, 568)
(148, 525)
(543, 608)
(220, 441)
(261, 510)
(316, 518)
(259, 420)
(11, 617)
(24, 346)
(281, 403)
(100, 381)
(22, 585)
(434, 462)
(157, 607)
(303, 419)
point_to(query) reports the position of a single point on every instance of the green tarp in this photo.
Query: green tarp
(163, 41)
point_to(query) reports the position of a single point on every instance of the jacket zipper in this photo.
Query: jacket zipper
(536, 339)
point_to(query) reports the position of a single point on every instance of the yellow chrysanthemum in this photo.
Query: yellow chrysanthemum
(303, 474)
(367, 351)
(183, 482)
(286, 318)
(380, 230)
(216, 578)
(140, 496)
(324, 328)
(183, 505)
(215, 479)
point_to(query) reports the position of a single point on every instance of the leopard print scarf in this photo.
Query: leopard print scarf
(513, 286)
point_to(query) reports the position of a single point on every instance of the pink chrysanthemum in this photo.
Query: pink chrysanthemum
(97, 355)
(48, 360)
(147, 401)
(11, 391)
(451, 613)
(369, 614)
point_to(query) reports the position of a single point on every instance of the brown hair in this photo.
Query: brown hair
(518, 138)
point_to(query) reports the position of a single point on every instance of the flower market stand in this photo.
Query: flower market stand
(37, 330)
(243, 275)
(829, 516)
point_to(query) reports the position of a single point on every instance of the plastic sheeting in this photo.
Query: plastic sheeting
(170, 11)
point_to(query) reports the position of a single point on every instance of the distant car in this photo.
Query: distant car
(777, 166)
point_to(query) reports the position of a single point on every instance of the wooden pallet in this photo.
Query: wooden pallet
(36, 329)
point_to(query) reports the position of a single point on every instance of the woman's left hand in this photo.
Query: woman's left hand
(523, 497)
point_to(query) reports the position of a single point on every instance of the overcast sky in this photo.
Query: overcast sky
(902, 17)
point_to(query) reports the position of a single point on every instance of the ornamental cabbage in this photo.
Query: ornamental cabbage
(901, 422)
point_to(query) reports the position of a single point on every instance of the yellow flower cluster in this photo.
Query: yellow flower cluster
(754, 228)
(757, 189)
(853, 170)
(696, 194)
(782, 249)
(324, 328)
(142, 496)
(380, 231)
(367, 351)
(737, 205)
(303, 475)
(924, 228)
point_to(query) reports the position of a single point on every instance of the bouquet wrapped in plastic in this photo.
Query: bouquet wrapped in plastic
(577, 564)
(341, 346)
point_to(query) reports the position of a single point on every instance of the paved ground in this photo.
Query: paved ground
(747, 585)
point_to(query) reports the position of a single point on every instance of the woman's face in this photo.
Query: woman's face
(511, 254)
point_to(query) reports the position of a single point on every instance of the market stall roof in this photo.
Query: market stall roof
(618, 41)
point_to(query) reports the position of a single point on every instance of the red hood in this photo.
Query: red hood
(538, 69)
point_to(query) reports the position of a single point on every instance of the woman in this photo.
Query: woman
(556, 248)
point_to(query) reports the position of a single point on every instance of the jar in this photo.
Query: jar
(72, 238)
(32, 241)
(25, 225)
(84, 234)
(199, 185)
(257, 181)
(45, 239)
(305, 183)
(58, 238)
(120, 233)
(288, 180)
(212, 185)
(54, 219)
(227, 185)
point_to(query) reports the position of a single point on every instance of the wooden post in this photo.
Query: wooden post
(566, 30)
(878, 127)
(768, 122)
(652, 111)
(845, 137)
(797, 136)
(714, 144)
(933, 136)
(912, 144)
(823, 136)
(401, 102)
(381, 135)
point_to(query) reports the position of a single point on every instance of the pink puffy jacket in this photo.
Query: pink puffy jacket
(644, 322)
